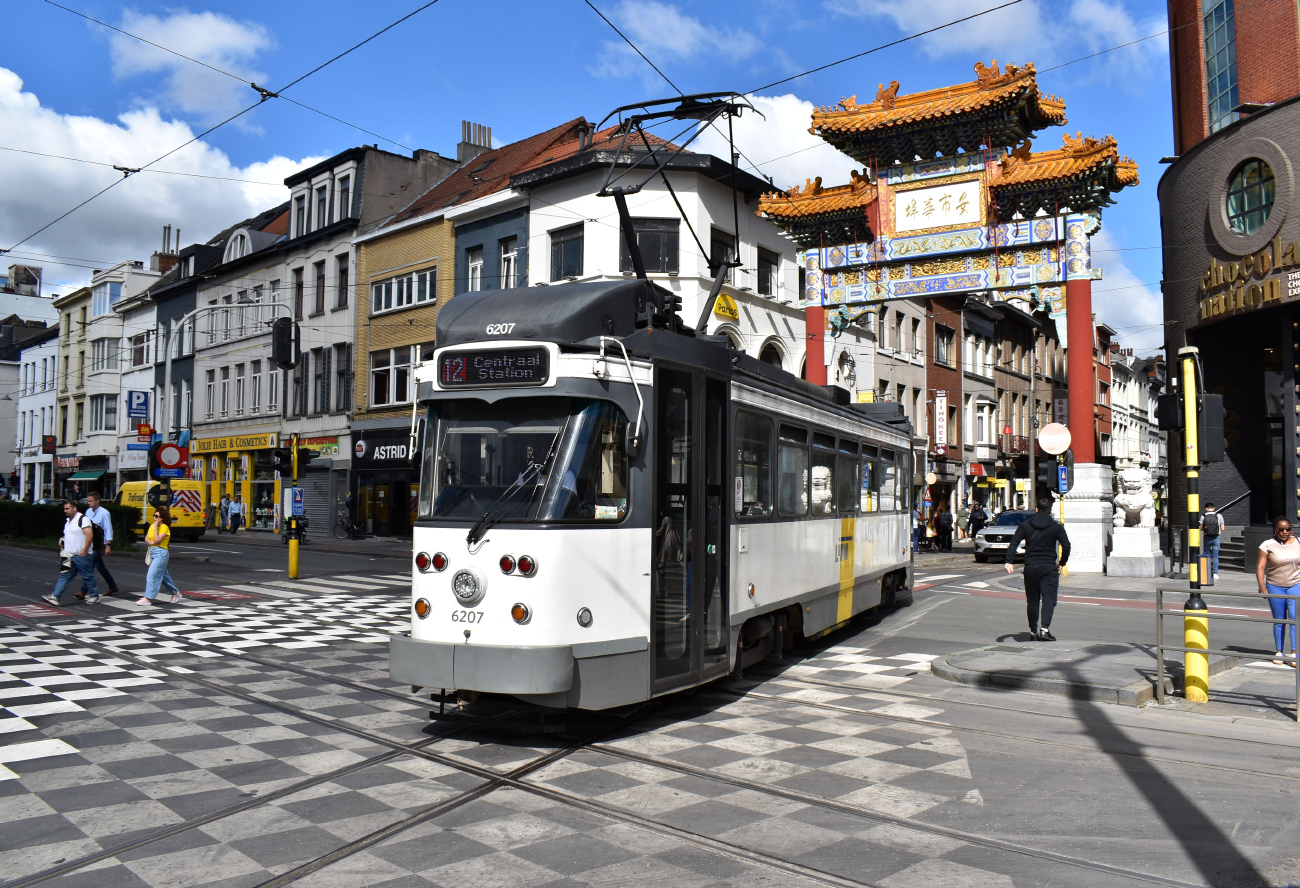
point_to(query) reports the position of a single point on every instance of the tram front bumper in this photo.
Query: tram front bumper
(481, 667)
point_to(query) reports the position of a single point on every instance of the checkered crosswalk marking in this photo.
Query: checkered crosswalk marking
(846, 664)
(41, 674)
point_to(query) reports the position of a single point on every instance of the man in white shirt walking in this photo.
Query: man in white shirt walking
(237, 513)
(101, 519)
(75, 547)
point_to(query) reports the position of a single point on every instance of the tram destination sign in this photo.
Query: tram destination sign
(494, 367)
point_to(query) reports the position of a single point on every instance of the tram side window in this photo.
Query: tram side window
(753, 465)
(846, 495)
(869, 476)
(823, 475)
(792, 472)
(889, 500)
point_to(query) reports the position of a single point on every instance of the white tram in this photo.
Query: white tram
(612, 507)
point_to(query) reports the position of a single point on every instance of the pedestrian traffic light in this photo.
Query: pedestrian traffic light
(160, 495)
(282, 460)
(285, 343)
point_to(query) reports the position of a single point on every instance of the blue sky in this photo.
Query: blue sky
(73, 88)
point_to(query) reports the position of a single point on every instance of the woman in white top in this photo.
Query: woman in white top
(1278, 573)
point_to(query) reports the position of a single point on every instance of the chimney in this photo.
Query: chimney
(475, 139)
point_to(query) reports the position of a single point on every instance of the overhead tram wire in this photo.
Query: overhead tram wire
(265, 94)
(234, 76)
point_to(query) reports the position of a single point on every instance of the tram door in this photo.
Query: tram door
(690, 559)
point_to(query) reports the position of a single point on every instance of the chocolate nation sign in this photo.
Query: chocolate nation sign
(1245, 283)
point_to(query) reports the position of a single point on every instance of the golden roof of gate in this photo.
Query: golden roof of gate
(1077, 156)
(813, 200)
(990, 88)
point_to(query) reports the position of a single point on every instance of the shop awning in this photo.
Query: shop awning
(87, 476)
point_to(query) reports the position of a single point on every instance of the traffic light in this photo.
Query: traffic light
(305, 457)
(282, 461)
(160, 495)
(285, 343)
(153, 460)
(1211, 443)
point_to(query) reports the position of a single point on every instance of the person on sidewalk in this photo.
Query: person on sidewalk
(225, 513)
(1211, 527)
(978, 518)
(918, 525)
(75, 547)
(1278, 573)
(1042, 565)
(237, 509)
(963, 520)
(103, 541)
(159, 538)
(944, 526)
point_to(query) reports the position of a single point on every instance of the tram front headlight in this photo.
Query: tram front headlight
(468, 587)
(584, 617)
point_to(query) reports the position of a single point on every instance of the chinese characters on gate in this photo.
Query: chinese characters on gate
(956, 203)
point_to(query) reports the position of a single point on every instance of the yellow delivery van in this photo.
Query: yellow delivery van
(188, 506)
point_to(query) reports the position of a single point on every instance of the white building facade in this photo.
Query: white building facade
(38, 370)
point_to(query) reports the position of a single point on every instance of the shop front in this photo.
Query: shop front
(386, 486)
(240, 464)
(89, 473)
(35, 474)
(132, 463)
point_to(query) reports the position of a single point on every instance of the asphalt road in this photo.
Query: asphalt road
(252, 738)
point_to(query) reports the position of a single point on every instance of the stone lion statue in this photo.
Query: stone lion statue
(1134, 504)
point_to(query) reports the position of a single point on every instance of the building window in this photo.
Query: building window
(474, 270)
(255, 384)
(1220, 62)
(139, 349)
(297, 292)
(345, 197)
(566, 252)
(63, 425)
(341, 269)
(944, 339)
(658, 241)
(722, 248)
(300, 216)
(81, 420)
(103, 298)
(211, 403)
(343, 377)
(1250, 196)
(103, 413)
(67, 327)
(239, 389)
(320, 288)
(103, 354)
(322, 207)
(225, 392)
(272, 389)
(768, 265)
(390, 376)
(509, 263)
(81, 369)
(403, 292)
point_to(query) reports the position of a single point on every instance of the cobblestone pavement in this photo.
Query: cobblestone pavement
(250, 736)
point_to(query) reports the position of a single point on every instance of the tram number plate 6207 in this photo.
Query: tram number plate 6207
(467, 616)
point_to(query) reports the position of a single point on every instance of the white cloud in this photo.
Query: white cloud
(1132, 307)
(215, 39)
(1028, 31)
(780, 144)
(665, 34)
(125, 223)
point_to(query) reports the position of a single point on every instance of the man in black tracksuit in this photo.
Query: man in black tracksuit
(1042, 566)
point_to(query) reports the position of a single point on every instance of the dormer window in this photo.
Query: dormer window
(239, 248)
(345, 197)
(300, 215)
(322, 207)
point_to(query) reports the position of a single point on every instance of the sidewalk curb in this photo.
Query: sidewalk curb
(1134, 694)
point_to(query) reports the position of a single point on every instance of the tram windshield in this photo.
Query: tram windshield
(569, 452)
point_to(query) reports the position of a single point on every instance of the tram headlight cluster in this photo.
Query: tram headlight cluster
(468, 587)
(525, 564)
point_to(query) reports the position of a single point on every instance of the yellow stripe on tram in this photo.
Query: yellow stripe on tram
(844, 609)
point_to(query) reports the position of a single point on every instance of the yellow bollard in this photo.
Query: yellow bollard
(293, 549)
(1196, 667)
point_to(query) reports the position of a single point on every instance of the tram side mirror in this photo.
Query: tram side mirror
(632, 445)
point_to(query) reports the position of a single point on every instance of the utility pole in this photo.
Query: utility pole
(1196, 622)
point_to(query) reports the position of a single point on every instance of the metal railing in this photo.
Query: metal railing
(1161, 647)
(1013, 443)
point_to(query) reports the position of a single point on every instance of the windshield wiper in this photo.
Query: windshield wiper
(492, 516)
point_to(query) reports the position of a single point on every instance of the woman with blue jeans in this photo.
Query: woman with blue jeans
(159, 538)
(1278, 573)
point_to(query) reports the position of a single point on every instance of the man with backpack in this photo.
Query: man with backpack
(102, 541)
(1040, 535)
(75, 548)
(1211, 527)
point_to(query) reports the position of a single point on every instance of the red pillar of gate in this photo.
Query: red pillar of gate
(814, 318)
(1081, 378)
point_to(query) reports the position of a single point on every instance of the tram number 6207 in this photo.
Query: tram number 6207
(462, 616)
